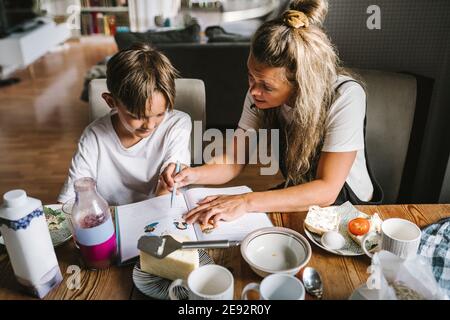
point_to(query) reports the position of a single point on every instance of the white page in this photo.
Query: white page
(134, 218)
(194, 195)
(232, 230)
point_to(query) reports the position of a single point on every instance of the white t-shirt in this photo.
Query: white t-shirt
(344, 130)
(128, 175)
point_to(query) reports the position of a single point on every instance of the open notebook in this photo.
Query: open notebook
(155, 217)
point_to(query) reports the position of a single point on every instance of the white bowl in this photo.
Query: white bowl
(275, 250)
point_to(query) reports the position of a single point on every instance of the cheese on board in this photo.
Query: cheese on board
(177, 265)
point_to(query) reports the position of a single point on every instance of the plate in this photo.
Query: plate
(58, 236)
(351, 248)
(157, 287)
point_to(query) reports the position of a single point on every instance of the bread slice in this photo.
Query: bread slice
(320, 220)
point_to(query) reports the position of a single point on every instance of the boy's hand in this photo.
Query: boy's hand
(161, 188)
(185, 177)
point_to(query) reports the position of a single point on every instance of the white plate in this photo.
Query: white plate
(351, 248)
(59, 236)
(157, 287)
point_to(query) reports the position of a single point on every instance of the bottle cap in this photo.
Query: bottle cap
(15, 198)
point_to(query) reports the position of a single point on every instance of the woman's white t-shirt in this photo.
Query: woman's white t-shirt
(344, 130)
(128, 175)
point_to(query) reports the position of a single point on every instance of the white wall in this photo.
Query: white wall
(143, 12)
(58, 7)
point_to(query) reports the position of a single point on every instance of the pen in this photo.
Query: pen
(174, 190)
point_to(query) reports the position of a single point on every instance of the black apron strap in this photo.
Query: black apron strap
(346, 193)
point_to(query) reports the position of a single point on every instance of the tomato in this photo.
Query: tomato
(359, 226)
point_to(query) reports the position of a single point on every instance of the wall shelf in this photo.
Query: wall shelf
(104, 9)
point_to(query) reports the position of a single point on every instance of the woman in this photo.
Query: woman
(296, 85)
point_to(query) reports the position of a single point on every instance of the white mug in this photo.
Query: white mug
(399, 236)
(209, 282)
(277, 286)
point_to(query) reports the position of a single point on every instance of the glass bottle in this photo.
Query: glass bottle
(93, 226)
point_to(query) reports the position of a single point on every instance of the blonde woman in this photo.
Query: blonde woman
(296, 84)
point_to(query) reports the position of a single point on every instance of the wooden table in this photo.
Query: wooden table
(341, 275)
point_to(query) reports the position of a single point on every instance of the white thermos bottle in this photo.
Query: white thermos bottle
(28, 243)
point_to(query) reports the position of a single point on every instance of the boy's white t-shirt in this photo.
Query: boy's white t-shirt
(128, 175)
(344, 130)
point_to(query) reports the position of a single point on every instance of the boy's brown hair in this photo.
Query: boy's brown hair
(133, 74)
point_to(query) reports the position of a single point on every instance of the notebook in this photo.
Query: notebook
(155, 217)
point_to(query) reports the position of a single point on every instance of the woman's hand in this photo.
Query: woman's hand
(185, 177)
(215, 208)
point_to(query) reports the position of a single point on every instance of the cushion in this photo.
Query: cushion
(190, 34)
(218, 34)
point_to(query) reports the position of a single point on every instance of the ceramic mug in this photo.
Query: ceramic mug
(277, 286)
(399, 236)
(209, 282)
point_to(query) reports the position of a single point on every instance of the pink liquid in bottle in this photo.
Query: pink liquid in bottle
(97, 241)
(93, 226)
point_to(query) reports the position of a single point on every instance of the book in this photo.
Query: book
(155, 217)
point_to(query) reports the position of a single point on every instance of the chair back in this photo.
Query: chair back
(391, 103)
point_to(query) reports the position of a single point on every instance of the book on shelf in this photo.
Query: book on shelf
(155, 217)
(104, 3)
(101, 23)
(104, 17)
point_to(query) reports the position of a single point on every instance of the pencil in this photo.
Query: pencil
(174, 190)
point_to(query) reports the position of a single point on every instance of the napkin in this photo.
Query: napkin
(435, 248)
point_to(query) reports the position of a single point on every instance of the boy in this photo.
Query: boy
(126, 150)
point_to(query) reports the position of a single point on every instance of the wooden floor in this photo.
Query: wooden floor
(42, 117)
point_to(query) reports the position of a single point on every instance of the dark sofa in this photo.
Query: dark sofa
(222, 66)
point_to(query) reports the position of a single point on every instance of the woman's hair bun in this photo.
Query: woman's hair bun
(315, 10)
